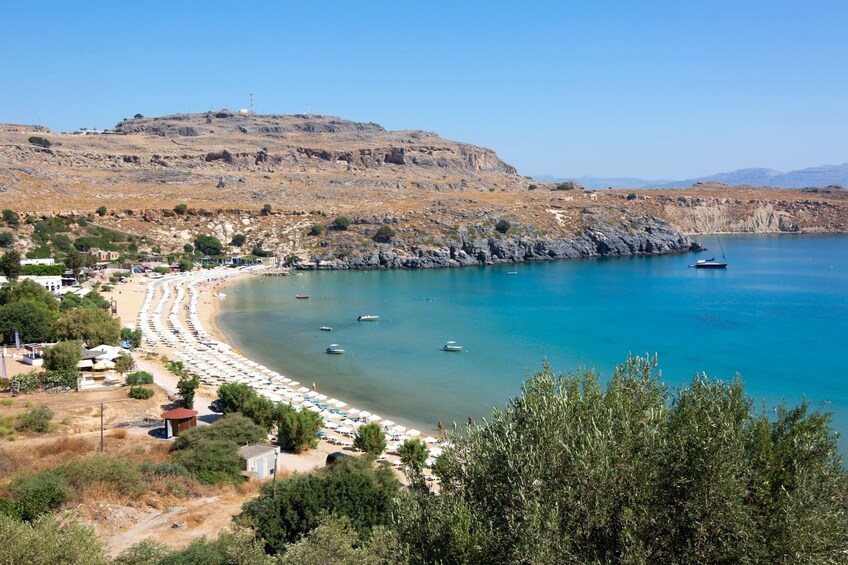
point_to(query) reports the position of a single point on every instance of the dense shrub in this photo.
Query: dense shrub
(64, 378)
(64, 356)
(101, 211)
(11, 218)
(208, 245)
(39, 493)
(132, 336)
(47, 542)
(341, 223)
(35, 420)
(384, 234)
(181, 209)
(26, 382)
(266, 209)
(140, 393)
(40, 141)
(503, 226)
(140, 378)
(7, 239)
(210, 453)
(112, 473)
(316, 229)
(352, 488)
(238, 240)
(35, 322)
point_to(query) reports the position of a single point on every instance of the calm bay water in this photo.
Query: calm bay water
(778, 316)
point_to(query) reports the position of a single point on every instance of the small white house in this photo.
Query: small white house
(260, 461)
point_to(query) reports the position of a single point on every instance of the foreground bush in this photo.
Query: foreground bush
(573, 472)
(352, 488)
(39, 493)
(46, 542)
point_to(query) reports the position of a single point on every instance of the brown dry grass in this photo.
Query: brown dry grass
(119, 433)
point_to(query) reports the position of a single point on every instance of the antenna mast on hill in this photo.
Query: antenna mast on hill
(251, 102)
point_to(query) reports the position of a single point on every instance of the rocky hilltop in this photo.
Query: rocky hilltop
(411, 198)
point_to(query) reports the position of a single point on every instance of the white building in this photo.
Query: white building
(48, 261)
(51, 283)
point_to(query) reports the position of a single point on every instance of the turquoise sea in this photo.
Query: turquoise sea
(778, 316)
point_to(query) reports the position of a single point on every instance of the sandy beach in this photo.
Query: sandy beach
(130, 297)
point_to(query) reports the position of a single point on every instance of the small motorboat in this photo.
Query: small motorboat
(451, 346)
(334, 349)
(367, 318)
(326, 328)
(301, 296)
(512, 272)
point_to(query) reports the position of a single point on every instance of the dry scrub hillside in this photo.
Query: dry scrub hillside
(440, 201)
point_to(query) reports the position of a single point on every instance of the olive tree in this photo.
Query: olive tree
(573, 471)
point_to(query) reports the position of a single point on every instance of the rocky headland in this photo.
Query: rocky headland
(411, 199)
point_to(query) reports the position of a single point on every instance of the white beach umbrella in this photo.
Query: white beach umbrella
(413, 433)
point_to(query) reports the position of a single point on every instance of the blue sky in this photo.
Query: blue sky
(571, 88)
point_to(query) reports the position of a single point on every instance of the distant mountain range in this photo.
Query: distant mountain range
(824, 175)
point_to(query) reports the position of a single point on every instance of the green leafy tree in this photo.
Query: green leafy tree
(351, 488)
(297, 430)
(188, 248)
(133, 336)
(208, 245)
(238, 240)
(571, 471)
(6, 238)
(371, 439)
(233, 396)
(76, 261)
(10, 264)
(140, 378)
(124, 364)
(413, 455)
(261, 410)
(27, 291)
(140, 393)
(185, 265)
(34, 322)
(341, 223)
(186, 387)
(63, 356)
(92, 326)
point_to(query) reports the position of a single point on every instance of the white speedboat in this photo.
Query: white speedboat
(451, 346)
(367, 318)
(326, 328)
(334, 349)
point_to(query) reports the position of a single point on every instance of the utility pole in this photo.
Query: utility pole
(101, 427)
(251, 102)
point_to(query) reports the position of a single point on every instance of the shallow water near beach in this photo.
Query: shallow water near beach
(778, 316)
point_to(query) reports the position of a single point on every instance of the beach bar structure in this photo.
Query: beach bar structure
(260, 461)
(179, 420)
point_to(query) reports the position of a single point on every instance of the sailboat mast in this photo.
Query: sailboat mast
(721, 247)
